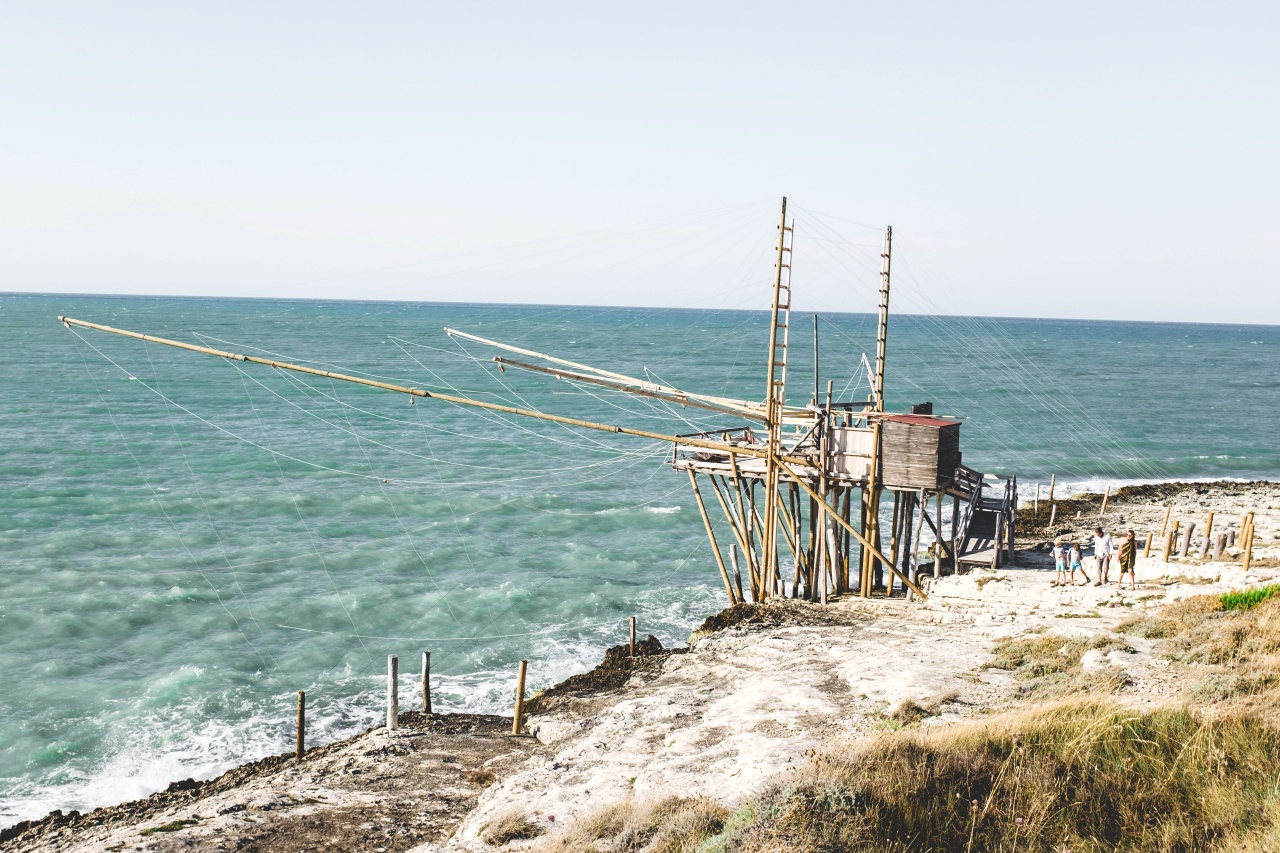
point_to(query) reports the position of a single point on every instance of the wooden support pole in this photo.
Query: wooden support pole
(301, 726)
(874, 551)
(393, 693)
(1053, 480)
(517, 722)
(1208, 536)
(1105, 496)
(711, 534)
(737, 572)
(937, 539)
(633, 636)
(426, 682)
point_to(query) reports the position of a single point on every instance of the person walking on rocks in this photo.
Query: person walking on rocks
(1128, 560)
(1102, 554)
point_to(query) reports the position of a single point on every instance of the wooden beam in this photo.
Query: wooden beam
(711, 534)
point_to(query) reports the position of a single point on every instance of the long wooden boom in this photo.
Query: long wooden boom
(419, 392)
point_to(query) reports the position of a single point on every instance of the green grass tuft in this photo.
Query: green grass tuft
(1245, 599)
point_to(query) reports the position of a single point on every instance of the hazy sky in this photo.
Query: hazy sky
(1068, 160)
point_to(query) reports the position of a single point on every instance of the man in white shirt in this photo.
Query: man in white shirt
(1102, 553)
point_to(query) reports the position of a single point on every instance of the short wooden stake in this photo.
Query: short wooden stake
(1248, 545)
(1168, 542)
(1146, 552)
(393, 693)
(633, 636)
(1053, 514)
(1208, 537)
(1231, 538)
(517, 722)
(301, 733)
(1164, 525)
(426, 682)
(1037, 503)
(1219, 545)
(1053, 479)
(1105, 496)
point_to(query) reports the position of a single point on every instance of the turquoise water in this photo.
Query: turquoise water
(185, 542)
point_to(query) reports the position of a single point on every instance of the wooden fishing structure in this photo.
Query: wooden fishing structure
(809, 481)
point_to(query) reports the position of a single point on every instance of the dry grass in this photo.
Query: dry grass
(1083, 777)
(674, 825)
(512, 826)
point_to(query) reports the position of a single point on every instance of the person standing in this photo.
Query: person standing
(1060, 562)
(1102, 545)
(1128, 560)
(1077, 564)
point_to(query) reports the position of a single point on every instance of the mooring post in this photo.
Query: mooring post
(426, 682)
(1105, 496)
(393, 693)
(633, 636)
(301, 733)
(517, 722)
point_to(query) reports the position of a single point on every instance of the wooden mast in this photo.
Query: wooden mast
(775, 400)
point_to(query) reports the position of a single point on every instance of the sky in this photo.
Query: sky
(1085, 160)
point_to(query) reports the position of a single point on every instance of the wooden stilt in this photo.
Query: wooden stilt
(711, 535)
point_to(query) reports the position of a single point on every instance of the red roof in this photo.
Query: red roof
(920, 420)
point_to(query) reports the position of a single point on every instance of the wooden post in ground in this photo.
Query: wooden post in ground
(1219, 545)
(1164, 525)
(1037, 503)
(1053, 479)
(426, 682)
(1146, 552)
(937, 543)
(1248, 545)
(393, 693)
(1053, 514)
(633, 636)
(1208, 537)
(1231, 538)
(1185, 550)
(301, 733)
(517, 722)
(1168, 542)
(1105, 496)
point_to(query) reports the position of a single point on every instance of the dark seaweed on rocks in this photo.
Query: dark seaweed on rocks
(611, 673)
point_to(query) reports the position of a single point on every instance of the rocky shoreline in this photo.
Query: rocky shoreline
(757, 690)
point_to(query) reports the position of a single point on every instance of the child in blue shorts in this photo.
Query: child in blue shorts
(1077, 564)
(1060, 555)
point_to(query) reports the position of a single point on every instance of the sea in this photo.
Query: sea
(187, 541)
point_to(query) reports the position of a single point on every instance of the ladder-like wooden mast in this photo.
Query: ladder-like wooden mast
(775, 400)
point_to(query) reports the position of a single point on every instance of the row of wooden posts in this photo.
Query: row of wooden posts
(1213, 546)
(393, 695)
